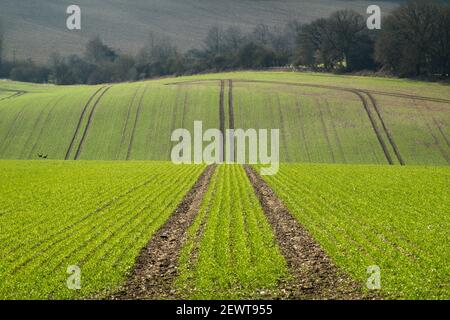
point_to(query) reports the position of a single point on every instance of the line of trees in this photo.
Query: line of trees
(414, 41)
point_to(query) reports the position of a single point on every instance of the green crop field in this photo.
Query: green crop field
(395, 218)
(86, 180)
(322, 118)
(95, 215)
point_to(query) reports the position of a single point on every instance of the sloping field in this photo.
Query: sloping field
(94, 215)
(29, 23)
(322, 118)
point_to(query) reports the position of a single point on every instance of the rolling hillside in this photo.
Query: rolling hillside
(322, 118)
(35, 29)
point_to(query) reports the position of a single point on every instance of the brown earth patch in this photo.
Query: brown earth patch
(314, 275)
(156, 267)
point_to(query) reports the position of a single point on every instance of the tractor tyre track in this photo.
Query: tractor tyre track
(136, 120)
(302, 128)
(14, 95)
(11, 128)
(385, 128)
(80, 120)
(283, 129)
(222, 119)
(375, 127)
(174, 116)
(349, 89)
(231, 119)
(125, 127)
(88, 125)
(36, 123)
(185, 109)
(325, 131)
(359, 93)
(437, 124)
(314, 275)
(430, 130)
(156, 267)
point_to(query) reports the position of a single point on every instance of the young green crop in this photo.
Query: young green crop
(395, 218)
(96, 215)
(231, 252)
(317, 125)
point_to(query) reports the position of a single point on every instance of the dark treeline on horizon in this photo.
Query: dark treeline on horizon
(414, 42)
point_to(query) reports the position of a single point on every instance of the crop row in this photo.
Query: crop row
(231, 251)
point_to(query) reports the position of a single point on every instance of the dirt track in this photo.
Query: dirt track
(314, 274)
(136, 119)
(385, 128)
(367, 106)
(14, 95)
(156, 266)
(80, 120)
(88, 125)
(124, 129)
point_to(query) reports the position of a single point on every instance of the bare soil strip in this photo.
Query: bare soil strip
(88, 125)
(385, 128)
(136, 120)
(314, 275)
(156, 267)
(80, 120)
(375, 127)
(222, 117)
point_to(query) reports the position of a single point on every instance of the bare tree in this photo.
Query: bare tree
(406, 40)
(345, 29)
(214, 40)
(233, 39)
(261, 35)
